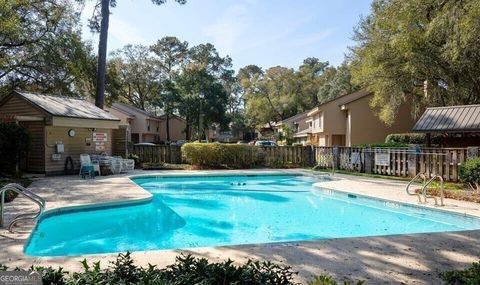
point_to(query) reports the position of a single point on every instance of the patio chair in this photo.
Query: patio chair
(128, 165)
(117, 164)
(87, 166)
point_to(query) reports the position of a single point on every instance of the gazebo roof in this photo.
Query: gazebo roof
(449, 119)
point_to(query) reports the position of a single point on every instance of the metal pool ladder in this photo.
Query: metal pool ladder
(419, 175)
(39, 201)
(423, 193)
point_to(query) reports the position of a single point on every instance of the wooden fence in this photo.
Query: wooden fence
(157, 153)
(401, 162)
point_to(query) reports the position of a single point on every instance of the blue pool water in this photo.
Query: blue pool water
(188, 212)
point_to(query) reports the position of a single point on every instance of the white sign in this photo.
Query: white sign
(382, 159)
(100, 137)
(99, 146)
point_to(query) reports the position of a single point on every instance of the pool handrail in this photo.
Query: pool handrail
(425, 194)
(407, 189)
(39, 201)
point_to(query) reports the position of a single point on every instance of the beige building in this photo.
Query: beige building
(145, 127)
(62, 128)
(298, 125)
(348, 120)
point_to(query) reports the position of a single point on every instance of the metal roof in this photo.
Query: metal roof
(449, 119)
(67, 107)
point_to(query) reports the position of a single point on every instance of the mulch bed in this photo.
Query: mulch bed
(462, 195)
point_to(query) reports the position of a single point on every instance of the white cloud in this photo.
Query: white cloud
(125, 32)
(118, 30)
(227, 31)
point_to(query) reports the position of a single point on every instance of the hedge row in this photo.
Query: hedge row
(412, 138)
(220, 155)
(185, 271)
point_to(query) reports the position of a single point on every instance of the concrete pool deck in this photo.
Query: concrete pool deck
(408, 259)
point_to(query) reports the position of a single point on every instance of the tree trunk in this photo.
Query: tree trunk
(187, 129)
(102, 55)
(167, 116)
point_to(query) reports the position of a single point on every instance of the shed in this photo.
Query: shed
(60, 127)
(458, 126)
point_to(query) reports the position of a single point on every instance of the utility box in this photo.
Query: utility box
(60, 148)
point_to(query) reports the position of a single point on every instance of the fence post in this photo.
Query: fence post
(308, 155)
(472, 152)
(175, 155)
(412, 161)
(368, 165)
(336, 157)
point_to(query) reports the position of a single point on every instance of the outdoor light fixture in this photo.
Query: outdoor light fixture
(71, 133)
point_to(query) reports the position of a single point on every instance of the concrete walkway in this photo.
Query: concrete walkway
(401, 259)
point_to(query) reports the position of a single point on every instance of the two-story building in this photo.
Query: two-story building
(298, 125)
(145, 127)
(349, 120)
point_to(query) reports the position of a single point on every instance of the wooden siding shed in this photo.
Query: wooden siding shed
(56, 121)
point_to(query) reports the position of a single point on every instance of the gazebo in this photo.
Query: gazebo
(457, 126)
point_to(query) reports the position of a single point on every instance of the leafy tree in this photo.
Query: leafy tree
(99, 22)
(41, 48)
(204, 99)
(138, 75)
(171, 55)
(336, 82)
(280, 92)
(309, 73)
(422, 51)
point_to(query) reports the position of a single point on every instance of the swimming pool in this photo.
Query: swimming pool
(204, 211)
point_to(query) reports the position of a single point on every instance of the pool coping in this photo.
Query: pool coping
(296, 172)
(403, 203)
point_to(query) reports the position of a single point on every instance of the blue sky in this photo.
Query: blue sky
(261, 32)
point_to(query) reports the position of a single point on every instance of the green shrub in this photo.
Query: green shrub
(186, 270)
(14, 144)
(407, 138)
(219, 155)
(469, 276)
(413, 138)
(470, 172)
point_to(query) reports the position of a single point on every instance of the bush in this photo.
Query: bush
(14, 144)
(186, 270)
(470, 172)
(219, 155)
(413, 138)
(408, 138)
(469, 276)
